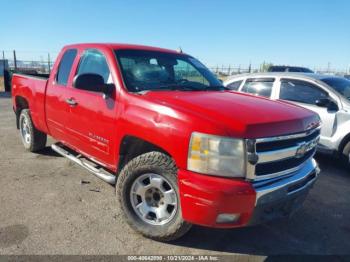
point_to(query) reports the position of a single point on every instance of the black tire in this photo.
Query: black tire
(345, 155)
(160, 164)
(37, 139)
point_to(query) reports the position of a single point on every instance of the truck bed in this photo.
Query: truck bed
(31, 89)
(31, 74)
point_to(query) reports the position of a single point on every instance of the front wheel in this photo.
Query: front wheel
(33, 140)
(345, 155)
(148, 194)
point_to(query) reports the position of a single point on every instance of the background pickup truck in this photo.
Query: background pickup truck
(181, 149)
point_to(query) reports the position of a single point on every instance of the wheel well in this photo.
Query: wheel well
(343, 143)
(21, 103)
(131, 147)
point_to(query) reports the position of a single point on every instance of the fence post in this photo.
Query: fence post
(15, 59)
(3, 60)
(49, 62)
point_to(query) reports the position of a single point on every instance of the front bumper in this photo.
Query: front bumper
(203, 198)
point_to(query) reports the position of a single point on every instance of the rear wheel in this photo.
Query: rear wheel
(148, 194)
(33, 140)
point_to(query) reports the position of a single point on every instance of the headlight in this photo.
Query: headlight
(216, 155)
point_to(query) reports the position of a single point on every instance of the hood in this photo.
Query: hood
(242, 115)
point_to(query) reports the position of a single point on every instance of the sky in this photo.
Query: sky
(309, 33)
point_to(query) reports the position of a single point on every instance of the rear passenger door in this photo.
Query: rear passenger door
(305, 94)
(259, 86)
(56, 107)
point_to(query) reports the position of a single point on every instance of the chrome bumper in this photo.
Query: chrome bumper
(281, 197)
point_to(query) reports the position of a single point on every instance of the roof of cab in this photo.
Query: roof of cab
(119, 46)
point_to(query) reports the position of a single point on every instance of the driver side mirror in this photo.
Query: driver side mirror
(94, 83)
(328, 103)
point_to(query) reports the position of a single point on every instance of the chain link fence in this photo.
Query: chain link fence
(41, 62)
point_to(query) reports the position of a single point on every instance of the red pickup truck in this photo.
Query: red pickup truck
(180, 148)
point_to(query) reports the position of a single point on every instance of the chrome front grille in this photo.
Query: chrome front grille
(277, 156)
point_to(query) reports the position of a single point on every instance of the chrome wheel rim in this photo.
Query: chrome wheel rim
(153, 199)
(25, 133)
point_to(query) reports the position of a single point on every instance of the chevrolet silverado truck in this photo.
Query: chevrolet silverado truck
(180, 148)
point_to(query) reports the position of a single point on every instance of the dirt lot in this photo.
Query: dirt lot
(44, 209)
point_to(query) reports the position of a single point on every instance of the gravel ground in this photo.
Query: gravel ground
(45, 209)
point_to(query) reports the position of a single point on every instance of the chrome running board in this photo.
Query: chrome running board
(84, 162)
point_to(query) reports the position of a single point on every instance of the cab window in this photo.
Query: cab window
(301, 91)
(259, 86)
(94, 62)
(65, 66)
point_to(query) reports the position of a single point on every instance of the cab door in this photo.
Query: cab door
(306, 94)
(91, 120)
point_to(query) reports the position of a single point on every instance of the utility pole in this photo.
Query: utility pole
(15, 59)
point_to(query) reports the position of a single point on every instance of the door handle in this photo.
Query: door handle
(71, 101)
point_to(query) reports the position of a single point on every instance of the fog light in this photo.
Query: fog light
(227, 218)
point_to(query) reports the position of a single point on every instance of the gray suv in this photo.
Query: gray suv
(295, 69)
(329, 96)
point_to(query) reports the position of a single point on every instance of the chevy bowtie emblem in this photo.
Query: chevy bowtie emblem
(301, 151)
(305, 147)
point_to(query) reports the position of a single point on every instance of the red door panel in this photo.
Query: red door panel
(91, 124)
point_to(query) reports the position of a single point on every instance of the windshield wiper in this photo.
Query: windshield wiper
(194, 88)
(181, 87)
(168, 88)
(174, 87)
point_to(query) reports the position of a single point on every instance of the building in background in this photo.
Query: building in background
(5, 84)
(3, 65)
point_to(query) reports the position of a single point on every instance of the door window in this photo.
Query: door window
(94, 62)
(235, 85)
(301, 91)
(259, 86)
(65, 66)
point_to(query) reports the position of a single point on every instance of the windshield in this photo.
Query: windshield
(342, 85)
(152, 70)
